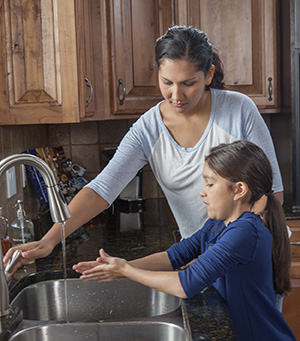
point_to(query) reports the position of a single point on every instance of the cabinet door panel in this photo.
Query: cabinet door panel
(135, 27)
(38, 62)
(34, 77)
(244, 34)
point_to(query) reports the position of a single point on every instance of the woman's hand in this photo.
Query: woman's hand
(30, 251)
(104, 269)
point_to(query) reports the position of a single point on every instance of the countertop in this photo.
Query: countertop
(133, 233)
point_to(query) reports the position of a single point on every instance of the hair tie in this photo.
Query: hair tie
(269, 193)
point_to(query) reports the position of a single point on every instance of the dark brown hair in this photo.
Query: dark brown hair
(182, 42)
(246, 162)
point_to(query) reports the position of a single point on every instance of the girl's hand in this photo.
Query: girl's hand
(104, 269)
(84, 266)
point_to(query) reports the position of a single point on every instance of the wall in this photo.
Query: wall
(15, 139)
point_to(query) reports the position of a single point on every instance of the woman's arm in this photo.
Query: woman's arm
(127, 161)
(85, 206)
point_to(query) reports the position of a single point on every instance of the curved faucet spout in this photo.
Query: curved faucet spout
(58, 207)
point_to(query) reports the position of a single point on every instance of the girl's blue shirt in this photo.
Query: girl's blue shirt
(237, 260)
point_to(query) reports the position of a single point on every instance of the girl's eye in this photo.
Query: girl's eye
(209, 185)
(167, 83)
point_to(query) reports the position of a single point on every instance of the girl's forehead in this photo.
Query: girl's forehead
(208, 172)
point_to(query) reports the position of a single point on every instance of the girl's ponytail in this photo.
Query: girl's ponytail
(274, 219)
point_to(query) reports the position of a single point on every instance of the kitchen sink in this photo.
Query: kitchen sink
(92, 302)
(113, 331)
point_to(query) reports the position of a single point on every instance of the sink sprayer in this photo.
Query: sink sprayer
(58, 209)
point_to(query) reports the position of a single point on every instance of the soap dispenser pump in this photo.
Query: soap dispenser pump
(22, 228)
(4, 232)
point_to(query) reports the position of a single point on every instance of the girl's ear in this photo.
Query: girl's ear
(241, 190)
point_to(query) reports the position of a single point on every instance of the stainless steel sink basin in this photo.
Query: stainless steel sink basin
(112, 331)
(92, 301)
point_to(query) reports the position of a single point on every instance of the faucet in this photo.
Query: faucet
(58, 209)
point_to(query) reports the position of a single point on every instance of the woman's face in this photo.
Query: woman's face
(181, 85)
(218, 197)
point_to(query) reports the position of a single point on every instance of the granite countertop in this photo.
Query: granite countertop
(133, 233)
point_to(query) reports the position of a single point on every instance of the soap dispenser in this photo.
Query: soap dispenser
(22, 230)
(4, 233)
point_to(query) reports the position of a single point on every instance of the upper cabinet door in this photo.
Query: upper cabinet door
(37, 59)
(91, 28)
(244, 34)
(135, 26)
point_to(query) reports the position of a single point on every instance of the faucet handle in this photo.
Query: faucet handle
(12, 262)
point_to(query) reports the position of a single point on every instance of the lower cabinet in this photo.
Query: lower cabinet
(291, 308)
(291, 303)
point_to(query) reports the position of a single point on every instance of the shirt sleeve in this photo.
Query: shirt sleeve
(236, 246)
(122, 168)
(186, 250)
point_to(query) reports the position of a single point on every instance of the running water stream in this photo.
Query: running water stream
(63, 245)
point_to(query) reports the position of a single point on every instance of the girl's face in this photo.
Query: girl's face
(181, 85)
(218, 197)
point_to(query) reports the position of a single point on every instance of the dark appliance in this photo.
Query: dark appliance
(295, 86)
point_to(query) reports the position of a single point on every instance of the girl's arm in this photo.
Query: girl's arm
(158, 261)
(153, 271)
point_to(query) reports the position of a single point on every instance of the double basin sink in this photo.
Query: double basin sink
(122, 310)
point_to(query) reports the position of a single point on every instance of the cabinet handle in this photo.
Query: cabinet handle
(87, 102)
(124, 91)
(270, 89)
(295, 243)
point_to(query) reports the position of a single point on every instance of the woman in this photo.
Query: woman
(234, 251)
(173, 138)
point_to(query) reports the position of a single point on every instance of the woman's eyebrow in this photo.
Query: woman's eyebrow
(186, 80)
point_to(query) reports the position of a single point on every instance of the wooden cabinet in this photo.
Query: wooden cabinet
(243, 32)
(291, 303)
(54, 54)
(294, 225)
(45, 55)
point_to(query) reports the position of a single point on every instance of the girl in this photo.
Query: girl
(244, 256)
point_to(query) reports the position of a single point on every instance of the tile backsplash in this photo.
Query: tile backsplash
(83, 143)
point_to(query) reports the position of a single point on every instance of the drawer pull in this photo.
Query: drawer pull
(124, 91)
(270, 89)
(295, 243)
(89, 84)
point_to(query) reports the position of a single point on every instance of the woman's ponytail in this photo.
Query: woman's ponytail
(218, 79)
